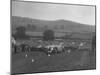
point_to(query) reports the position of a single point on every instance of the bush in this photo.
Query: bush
(48, 35)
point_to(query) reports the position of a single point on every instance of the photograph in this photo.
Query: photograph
(52, 37)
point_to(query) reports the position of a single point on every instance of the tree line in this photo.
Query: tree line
(21, 34)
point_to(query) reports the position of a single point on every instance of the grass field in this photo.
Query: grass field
(77, 60)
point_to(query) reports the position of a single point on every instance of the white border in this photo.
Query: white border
(5, 37)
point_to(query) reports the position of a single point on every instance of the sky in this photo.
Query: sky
(51, 11)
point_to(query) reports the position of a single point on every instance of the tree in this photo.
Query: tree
(20, 32)
(48, 35)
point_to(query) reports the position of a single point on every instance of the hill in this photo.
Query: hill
(57, 25)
